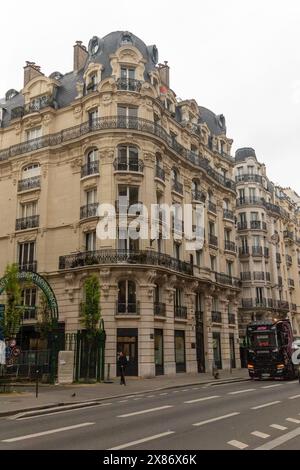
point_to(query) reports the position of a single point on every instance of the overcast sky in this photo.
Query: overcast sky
(235, 57)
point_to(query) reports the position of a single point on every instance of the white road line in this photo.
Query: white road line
(196, 388)
(260, 434)
(202, 399)
(145, 411)
(241, 391)
(294, 396)
(238, 444)
(150, 396)
(272, 386)
(59, 412)
(293, 420)
(175, 391)
(140, 441)
(123, 401)
(162, 394)
(185, 390)
(279, 440)
(278, 426)
(45, 433)
(218, 418)
(135, 399)
(265, 404)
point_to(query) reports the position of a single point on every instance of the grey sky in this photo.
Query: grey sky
(235, 57)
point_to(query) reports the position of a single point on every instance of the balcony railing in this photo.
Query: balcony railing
(247, 303)
(278, 258)
(258, 276)
(198, 195)
(288, 235)
(282, 305)
(213, 240)
(211, 206)
(129, 84)
(159, 309)
(246, 276)
(113, 122)
(178, 187)
(144, 257)
(29, 183)
(257, 251)
(230, 246)
(180, 312)
(255, 224)
(266, 251)
(90, 210)
(247, 178)
(231, 318)
(123, 308)
(216, 317)
(222, 278)
(91, 168)
(242, 226)
(249, 201)
(134, 165)
(291, 282)
(289, 259)
(244, 251)
(34, 106)
(227, 214)
(27, 222)
(30, 266)
(160, 173)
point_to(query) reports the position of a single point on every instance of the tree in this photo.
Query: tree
(11, 320)
(90, 313)
(45, 323)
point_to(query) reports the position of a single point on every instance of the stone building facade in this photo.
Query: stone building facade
(114, 128)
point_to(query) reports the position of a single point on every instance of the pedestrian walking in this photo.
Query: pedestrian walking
(122, 363)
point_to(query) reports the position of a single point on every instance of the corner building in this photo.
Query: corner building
(113, 127)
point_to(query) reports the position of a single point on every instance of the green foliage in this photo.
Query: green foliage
(13, 310)
(90, 313)
(45, 323)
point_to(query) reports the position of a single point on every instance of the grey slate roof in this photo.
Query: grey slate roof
(243, 153)
(215, 123)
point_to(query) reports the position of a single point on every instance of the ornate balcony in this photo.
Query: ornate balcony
(159, 309)
(160, 173)
(244, 252)
(127, 308)
(129, 84)
(216, 317)
(230, 246)
(130, 166)
(246, 276)
(222, 278)
(178, 187)
(249, 201)
(27, 222)
(258, 276)
(29, 183)
(288, 236)
(211, 207)
(213, 240)
(228, 215)
(91, 168)
(180, 312)
(248, 178)
(242, 226)
(90, 210)
(143, 257)
(255, 225)
(198, 196)
(257, 251)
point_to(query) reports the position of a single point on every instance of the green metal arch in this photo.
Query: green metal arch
(39, 281)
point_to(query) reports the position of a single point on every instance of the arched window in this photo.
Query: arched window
(127, 298)
(174, 175)
(31, 171)
(92, 156)
(91, 166)
(226, 204)
(128, 158)
(92, 82)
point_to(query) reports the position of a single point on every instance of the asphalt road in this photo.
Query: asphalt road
(247, 415)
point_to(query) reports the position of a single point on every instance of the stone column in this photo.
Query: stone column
(146, 332)
(225, 347)
(169, 341)
(190, 334)
(208, 346)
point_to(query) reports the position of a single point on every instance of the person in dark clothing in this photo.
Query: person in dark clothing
(122, 363)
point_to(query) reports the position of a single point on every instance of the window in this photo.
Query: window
(242, 195)
(240, 170)
(254, 216)
(211, 228)
(256, 240)
(194, 187)
(31, 171)
(127, 116)
(174, 175)
(92, 83)
(259, 295)
(250, 170)
(90, 241)
(227, 235)
(177, 251)
(252, 195)
(243, 218)
(26, 256)
(127, 297)
(198, 258)
(156, 294)
(128, 158)
(28, 297)
(91, 196)
(244, 243)
(127, 80)
(128, 73)
(212, 263)
(229, 270)
(29, 209)
(92, 156)
(34, 133)
(93, 116)
(177, 298)
(127, 195)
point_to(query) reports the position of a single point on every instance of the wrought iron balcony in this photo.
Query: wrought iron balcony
(261, 303)
(180, 312)
(144, 257)
(30, 266)
(216, 317)
(129, 84)
(287, 235)
(230, 246)
(29, 183)
(90, 210)
(198, 196)
(27, 222)
(242, 226)
(246, 276)
(159, 309)
(35, 105)
(244, 251)
(257, 251)
(249, 201)
(222, 278)
(91, 168)
(254, 303)
(258, 276)
(213, 240)
(178, 187)
(211, 206)
(160, 173)
(229, 215)
(255, 224)
(231, 318)
(291, 282)
(278, 258)
(134, 165)
(248, 177)
(123, 308)
(289, 259)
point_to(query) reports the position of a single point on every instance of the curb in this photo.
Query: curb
(60, 406)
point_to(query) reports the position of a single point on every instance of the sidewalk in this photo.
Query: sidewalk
(24, 399)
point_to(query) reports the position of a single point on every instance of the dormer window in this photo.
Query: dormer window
(92, 83)
(126, 38)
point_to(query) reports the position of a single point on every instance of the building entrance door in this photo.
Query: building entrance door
(127, 342)
(232, 351)
(180, 350)
(159, 351)
(217, 350)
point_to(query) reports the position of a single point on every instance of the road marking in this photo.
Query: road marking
(238, 444)
(150, 410)
(294, 396)
(202, 399)
(196, 388)
(185, 390)
(135, 399)
(140, 441)
(150, 396)
(216, 419)
(242, 391)
(293, 420)
(260, 434)
(161, 394)
(175, 391)
(123, 401)
(279, 440)
(265, 404)
(278, 426)
(45, 433)
(59, 412)
(272, 386)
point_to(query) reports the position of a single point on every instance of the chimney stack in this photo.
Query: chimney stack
(80, 56)
(31, 70)
(164, 73)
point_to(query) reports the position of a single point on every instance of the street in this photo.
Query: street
(247, 415)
